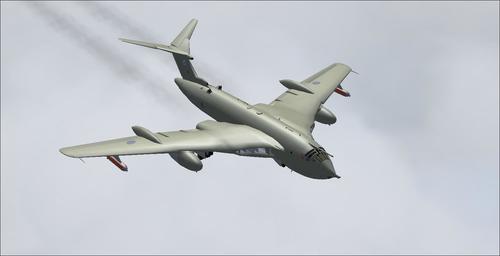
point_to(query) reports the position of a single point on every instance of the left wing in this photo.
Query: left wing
(208, 136)
(299, 105)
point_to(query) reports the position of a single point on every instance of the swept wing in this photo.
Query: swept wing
(299, 105)
(208, 136)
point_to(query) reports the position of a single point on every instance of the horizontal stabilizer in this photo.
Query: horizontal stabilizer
(180, 49)
(167, 48)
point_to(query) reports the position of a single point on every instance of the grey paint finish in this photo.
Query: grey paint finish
(282, 128)
(220, 137)
(417, 147)
(145, 133)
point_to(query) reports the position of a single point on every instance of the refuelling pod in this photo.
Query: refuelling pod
(325, 116)
(118, 162)
(187, 159)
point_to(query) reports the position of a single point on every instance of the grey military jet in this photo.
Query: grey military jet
(280, 130)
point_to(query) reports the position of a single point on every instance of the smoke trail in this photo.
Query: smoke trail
(117, 19)
(123, 22)
(83, 38)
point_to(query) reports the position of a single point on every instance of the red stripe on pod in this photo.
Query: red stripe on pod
(342, 92)
(122, 166)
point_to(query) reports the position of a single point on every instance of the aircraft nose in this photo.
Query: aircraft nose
(328, 167)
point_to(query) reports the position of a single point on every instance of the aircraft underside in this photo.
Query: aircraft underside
(280, 130)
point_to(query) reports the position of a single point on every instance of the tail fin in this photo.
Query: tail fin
(181, 51)
(182, 40)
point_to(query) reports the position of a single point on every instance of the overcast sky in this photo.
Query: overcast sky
(417, 144)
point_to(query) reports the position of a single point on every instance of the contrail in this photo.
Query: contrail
(108, 55)
(123, 22)
(117, 19)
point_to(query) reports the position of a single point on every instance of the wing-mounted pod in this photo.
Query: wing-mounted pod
(342, 91)
(290, 84)
(188, 159)
(118, 162)
(146, 134)
(325, 116)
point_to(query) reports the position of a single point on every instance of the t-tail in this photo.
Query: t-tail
(181, 51)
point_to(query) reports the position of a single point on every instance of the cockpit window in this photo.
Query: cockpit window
(317, 154)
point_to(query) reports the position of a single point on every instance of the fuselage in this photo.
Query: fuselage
(301, 153)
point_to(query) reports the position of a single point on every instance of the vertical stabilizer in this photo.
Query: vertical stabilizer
(181, 51)
(182, 40)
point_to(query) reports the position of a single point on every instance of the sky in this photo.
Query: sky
(417, 144)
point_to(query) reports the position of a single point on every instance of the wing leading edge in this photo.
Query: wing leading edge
(208, 136)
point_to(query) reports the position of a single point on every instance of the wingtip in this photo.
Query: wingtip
(125, 40)
(65, 152)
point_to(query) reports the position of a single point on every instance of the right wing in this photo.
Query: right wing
(209, 136)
